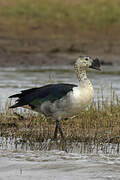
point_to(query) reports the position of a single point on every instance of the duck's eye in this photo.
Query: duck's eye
(87, 58)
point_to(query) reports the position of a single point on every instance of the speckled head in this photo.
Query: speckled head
(85, 62)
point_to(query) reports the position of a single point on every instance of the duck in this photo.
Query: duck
(61, 100)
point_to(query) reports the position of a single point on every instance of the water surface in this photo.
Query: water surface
(57, 165)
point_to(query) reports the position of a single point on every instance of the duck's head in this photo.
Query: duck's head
(85, 62)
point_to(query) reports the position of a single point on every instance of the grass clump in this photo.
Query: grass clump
(100, 123)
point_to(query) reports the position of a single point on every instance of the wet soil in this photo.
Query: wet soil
(44, 51)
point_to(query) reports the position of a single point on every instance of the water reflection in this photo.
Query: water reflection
(18, 144)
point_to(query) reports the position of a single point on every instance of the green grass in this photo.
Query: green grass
(96, 12)
(60, 14)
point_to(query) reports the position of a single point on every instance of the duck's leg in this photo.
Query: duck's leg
(56, 129)
(58, 126)
(60, 130)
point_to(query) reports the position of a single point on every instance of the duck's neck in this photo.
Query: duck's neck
(82, 77)
(81, 74)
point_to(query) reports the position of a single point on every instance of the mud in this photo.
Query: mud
(37, 52)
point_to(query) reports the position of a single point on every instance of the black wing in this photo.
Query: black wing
(36, 96)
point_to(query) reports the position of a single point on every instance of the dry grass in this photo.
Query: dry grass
(100, 123)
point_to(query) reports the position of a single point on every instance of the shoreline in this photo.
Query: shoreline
(48, 59)
(28, 58)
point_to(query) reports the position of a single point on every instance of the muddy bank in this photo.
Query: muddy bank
(37, 52)
(53, 32)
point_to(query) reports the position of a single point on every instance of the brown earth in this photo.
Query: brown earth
(56, 32)
(39, 47)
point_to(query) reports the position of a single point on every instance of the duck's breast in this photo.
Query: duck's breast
(81, 96)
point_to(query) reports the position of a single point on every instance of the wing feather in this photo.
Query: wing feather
(36, 96)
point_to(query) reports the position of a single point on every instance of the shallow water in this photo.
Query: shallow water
(82, 161)
(57, 165)
(75, 164)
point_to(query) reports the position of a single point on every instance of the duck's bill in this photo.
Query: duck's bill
(96, 64)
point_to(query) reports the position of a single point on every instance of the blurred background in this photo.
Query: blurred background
(40, 40)
(56, 31)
